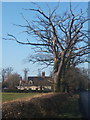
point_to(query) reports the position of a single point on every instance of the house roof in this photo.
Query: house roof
(44, 81)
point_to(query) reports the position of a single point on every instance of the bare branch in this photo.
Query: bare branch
(25, 43)
(39, 11)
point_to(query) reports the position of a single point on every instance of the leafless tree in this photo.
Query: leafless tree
(61, 40)
(26, 70)
(9, 71)
(6, 72)
(3, 74)
(39, 73)
(75, 79)
(13, 81)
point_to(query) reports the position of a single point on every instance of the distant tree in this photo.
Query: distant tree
(9, 71)
(84, 71)
(5, 84)
(61, 40)
(13, 80)
(6, 72)
(75, 79)
(3, 74)
(39, 73)
(26, 70)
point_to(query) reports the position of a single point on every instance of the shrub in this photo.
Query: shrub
(37, 107)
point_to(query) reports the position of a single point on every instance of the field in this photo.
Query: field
(14, 96)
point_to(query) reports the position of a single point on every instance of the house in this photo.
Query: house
(37, 83)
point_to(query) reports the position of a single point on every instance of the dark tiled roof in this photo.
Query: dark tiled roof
(40, 81)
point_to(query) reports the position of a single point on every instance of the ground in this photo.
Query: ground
(14, 96)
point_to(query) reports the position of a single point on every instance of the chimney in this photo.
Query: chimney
(20, 78)
(43, 74)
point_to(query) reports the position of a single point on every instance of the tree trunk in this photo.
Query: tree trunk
(3, 78)
(58, 78)
(57, 83)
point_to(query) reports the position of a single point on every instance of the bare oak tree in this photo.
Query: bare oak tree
(61, 40)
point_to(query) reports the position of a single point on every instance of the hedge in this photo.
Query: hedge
(45, 106)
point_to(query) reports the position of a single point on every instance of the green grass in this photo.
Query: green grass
(13, 96)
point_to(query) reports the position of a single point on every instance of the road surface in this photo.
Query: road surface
(85, 104)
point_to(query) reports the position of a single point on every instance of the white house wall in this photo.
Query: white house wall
(33, 87)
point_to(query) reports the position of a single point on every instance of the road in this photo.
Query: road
(85, 104)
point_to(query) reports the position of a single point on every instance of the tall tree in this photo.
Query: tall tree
(26, 70)
(6, 72)
(13, 81)
(61, 40)
(9, 71)
(76, 79)
(39, 73)
(3, 74)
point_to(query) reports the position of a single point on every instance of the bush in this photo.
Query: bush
(38, 107)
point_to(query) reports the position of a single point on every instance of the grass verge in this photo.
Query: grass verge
(14, 96)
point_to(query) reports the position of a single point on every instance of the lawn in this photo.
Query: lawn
(13, 96)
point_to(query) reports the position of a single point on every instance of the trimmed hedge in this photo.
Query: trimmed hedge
(45, 106)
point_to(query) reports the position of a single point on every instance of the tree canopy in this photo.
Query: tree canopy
(61, 40)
